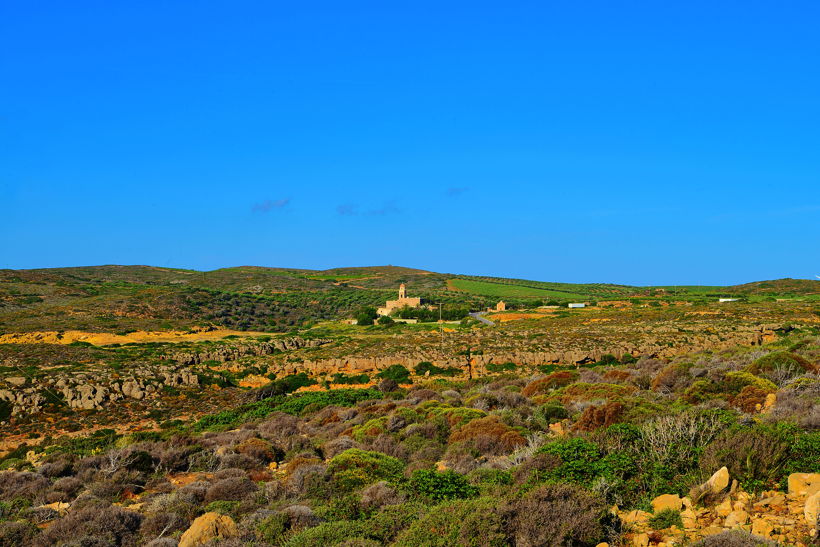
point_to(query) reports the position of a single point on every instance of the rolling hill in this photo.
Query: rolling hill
(114, 298)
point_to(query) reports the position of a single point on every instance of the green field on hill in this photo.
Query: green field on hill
(489, 288)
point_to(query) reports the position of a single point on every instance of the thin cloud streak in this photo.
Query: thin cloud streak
(270, 205)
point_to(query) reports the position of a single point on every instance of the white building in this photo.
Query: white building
(576, 305)
(727, 299)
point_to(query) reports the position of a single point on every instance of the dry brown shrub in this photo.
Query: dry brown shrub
(617, 376)
(670, 379)
(557, 379)
(93, 525)
(599, 416)
(258, 449)
(556, 515)
(489, 434)
(232, 489)
(535, 467)
(748, 398)
(300, 461)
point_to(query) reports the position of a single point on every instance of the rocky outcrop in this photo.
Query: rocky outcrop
(23, 400)
(788, 517)
(84, 391)
(226, 353)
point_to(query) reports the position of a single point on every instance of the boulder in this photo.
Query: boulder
(717, 484)
(667, 501)
(208, 527)
(635, 517)
(804, 484)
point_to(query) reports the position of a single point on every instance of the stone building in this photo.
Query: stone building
(402, 301)
(501, 306)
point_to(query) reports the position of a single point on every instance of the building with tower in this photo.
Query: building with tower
(402, 301)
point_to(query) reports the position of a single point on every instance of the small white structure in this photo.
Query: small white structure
(576, 305)
(727, 299)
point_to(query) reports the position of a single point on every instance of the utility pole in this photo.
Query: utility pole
(440, 327)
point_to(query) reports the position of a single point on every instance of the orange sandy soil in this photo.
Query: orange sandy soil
(105, 338)
(344, 386)
(504, 317)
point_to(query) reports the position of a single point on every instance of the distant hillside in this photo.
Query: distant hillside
(117, 298)
(779, 287)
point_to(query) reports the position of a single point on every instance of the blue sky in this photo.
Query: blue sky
(628, 142)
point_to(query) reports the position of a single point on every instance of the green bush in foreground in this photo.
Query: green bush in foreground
(440, 486)
(354, 468)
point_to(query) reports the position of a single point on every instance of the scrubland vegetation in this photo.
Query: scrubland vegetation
(559, 427)
(510, 459)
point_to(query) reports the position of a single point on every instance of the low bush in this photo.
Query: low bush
(501, 367)
(354, 468)
(552, 381)
(397, 373)
(665, 519)
(557, 515)
(469, 523)
(735, 538)
(441, 486)
(429, 369)
(781, 365)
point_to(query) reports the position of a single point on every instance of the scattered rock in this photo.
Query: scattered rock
(735, 519)
(640, 540)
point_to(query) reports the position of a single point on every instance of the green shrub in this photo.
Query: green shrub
(397, 373)
(789, 363)
(223, 507)
(549, 413)
(736, 381)
(608, 359)
(501, 367)
(273, 528)
(385, 525)
(425, 366)
(665, 519)
(804, 456)
(440, 486)
(580, 460)
(755, 456)
(326, 533)
(341, 378)
(354, 468)
(468, 523)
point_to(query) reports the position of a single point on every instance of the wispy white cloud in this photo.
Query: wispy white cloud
(270, 205)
